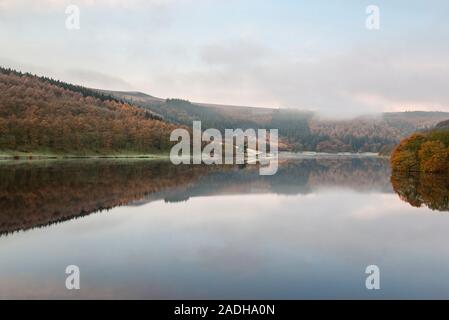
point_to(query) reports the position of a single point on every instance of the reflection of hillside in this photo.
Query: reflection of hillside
(358, 174)
(431, 190)
(299, 177)
(34, 195)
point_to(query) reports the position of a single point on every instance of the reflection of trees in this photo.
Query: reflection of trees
(417, 189)
(35, 194)
(354, 173)
(298, 176)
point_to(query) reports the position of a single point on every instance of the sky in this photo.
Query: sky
(310, 55)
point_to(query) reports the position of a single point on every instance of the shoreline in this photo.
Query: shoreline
(9, 157)
(282, 155)
(328, 155)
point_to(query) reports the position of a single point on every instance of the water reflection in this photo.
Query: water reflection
(431, 190)
(34, 195)
(219, 233)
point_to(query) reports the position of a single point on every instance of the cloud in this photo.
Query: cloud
(237, 52)
(58, 4)
(356, 81)
(96, 80)
(193, 49)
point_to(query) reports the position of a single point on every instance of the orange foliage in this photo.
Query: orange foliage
(422, 152)
(36, 115)
(433, 157)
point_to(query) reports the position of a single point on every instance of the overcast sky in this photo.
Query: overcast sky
(315, 55)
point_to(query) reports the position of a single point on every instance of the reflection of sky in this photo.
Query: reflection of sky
(242, 246)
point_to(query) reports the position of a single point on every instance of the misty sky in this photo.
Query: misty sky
(315, 55)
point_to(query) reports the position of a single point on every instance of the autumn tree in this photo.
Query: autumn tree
(433, 157)
(425, 152)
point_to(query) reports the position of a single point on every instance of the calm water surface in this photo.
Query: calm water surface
(142, 229)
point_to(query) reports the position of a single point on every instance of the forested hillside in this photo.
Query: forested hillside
(299, 130)
(39, 114)
(44, 115)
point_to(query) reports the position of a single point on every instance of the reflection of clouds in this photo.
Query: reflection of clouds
(211, 246)
(390, 205)
(216, 258)
(291, 223)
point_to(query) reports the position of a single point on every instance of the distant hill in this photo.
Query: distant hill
(42, 115)
(299, 130)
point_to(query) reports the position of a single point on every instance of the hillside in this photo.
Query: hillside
(299, 130)
(427, 151)
(41, 115)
